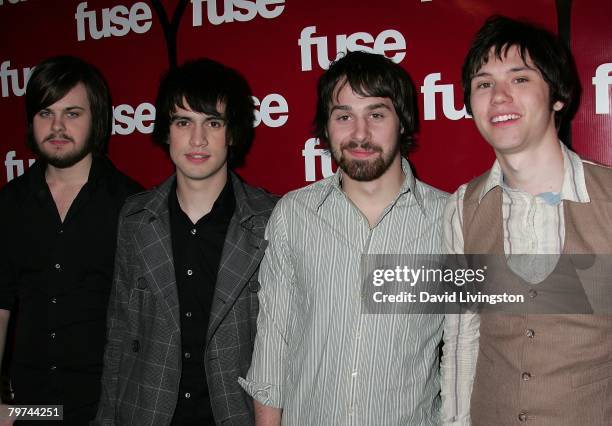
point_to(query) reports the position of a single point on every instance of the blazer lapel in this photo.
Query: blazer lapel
(155, 244)
(242, 252)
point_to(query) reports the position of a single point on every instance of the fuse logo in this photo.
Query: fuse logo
(235, 10)
(127, 119)
(602, 82)
(117, 21)
(430, 88)
(14, 167)
(310, 154)
(389, 42)
(9, 80)
(272, 110)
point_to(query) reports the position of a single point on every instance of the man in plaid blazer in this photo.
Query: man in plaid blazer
(183, 309)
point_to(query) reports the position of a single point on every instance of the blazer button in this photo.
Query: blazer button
(533, 293)
(530, 333)
(525, 377)
(522, 417)
(254, 286)
(141, 283)
(135, 346)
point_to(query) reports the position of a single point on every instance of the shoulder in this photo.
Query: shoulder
(311, 195)
(120, 183)
(429, 193)
(15, 191)
(14, 187)
(137, 202)
(600, 176)
(259, 200)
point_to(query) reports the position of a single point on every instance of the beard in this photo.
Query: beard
(62, 161)
(363, 170)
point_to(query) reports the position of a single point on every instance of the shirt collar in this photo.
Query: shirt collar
(572, 189)
(99, 170)
(408, 185)
(222, 209)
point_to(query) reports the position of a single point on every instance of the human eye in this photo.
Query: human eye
(342, 117)
(44, 113)
(216, 123)
(377, 115)
(73, 114)
(180, 122)
(521, 80)
(483, 84)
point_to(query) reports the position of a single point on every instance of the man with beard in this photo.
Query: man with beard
(58, 224)
(319, 359)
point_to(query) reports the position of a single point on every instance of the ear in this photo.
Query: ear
(558, 106)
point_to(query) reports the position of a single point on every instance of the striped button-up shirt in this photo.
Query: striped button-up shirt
(532, 225)
(318, 355)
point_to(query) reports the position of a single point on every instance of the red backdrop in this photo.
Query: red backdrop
(281, 46)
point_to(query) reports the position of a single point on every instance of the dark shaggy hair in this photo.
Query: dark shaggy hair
(53, 78)
(201, 85)
(372, 75)
(549, 55)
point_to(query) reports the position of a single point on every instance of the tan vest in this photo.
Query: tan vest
(543, 369)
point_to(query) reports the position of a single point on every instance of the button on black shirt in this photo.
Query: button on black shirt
(196, 250)
(55, 278)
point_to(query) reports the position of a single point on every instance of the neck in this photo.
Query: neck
(536, 171)
(197, 197)
(372, 197)
(73, 175)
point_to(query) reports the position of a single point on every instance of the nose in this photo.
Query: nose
(57, 125)
(361, 129)
(198, 137)
(501, 94)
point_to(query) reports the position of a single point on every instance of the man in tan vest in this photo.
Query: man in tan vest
(539, 198)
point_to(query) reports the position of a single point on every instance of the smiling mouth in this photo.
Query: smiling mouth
(361, 153)
(505, 118)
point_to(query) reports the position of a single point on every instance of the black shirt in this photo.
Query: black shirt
(196, 250)
(55, 278)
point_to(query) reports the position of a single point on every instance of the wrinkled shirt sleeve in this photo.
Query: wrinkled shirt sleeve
(266, 376)
(461, 333)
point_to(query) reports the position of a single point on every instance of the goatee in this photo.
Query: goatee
(66, 160)
(363, 170)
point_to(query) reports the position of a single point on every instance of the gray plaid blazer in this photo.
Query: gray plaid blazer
(142, 360)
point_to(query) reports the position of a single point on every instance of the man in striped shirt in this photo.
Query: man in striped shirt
(320, 357)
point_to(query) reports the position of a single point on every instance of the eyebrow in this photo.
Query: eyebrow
(511, 70)
(370, 107)
(69, 108)
(175, 117)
